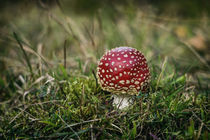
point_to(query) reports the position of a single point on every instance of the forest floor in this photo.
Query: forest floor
(48, 88)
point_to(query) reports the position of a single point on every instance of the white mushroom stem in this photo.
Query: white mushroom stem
(122, 102)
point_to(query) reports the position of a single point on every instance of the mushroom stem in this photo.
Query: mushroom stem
(121, 102)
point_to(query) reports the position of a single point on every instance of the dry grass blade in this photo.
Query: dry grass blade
(201, 121)
(83, 122)
(17, 116)
(195, 53)
(163, 69)
(29, 50)
(55, 18)
(199, 131)
(69, 127)
(24, 53)
(94, 74)
(64, 53)
(117, 127)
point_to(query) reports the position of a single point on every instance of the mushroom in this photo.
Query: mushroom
(124, 72)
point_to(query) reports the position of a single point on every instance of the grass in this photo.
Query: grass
(49, 90)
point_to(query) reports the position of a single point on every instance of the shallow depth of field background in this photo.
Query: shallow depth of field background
(177, 30)
(64, 39)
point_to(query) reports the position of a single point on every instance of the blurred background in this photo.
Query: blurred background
(84, 29)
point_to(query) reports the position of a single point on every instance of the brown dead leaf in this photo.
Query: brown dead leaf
(198, 42)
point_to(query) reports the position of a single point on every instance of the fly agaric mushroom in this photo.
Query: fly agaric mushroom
(123, 71)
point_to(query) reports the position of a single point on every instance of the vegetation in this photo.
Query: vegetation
(48, 87)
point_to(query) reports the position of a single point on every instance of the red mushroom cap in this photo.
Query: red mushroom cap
(123, 70)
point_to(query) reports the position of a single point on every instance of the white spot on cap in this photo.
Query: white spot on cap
(111, 84)
(112, 55)
(107, 64)
(125, 55)
(109, 58)
(131, 86)
(125, 88)
(118, 58)
(110, 75)
(113, 78)
(111, 70)
(124, 61)
(124, 72)
(115, 69)
(120, 66)
(132, 56)
(107, 70)
(136, 82)
(127, 81)
(122, 81)
(107, 76)
(130, 62)
(120, 74)
(113, 63)
(117, 77)
(103, 70)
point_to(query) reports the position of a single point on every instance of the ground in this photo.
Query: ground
(49, 90)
